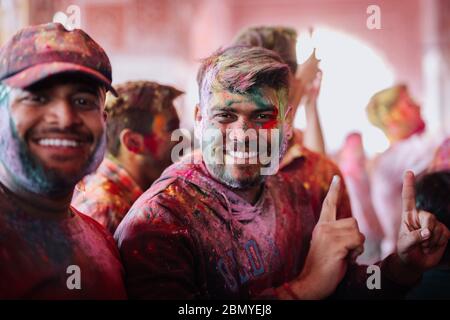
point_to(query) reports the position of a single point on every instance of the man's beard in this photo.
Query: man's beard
(221, 173)
(29, 173)
(219, 170)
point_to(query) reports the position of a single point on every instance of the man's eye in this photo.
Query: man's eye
(85, 103)
(224, 117)
(81, 101)
(35, 99)
(263, 116)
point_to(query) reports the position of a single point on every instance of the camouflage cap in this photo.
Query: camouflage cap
(140, 95)
(38, 52)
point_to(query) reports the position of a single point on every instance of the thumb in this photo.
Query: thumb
(328, 212)
(414, 238)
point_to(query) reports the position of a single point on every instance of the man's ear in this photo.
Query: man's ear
(105, 116)
(132, 141)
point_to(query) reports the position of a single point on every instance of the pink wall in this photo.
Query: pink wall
(398, 40)
(191, 29)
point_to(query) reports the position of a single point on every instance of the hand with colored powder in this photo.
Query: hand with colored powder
(334, 243)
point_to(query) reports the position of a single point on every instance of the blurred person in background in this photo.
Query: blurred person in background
(432, 195)
(139, 126)
(399, 117)
(353, 163)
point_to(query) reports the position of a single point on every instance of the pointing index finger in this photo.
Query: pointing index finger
(409, 195)
(328, 213)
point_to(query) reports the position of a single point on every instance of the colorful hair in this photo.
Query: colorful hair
(282, 40)
(239, 69)
(381, 104)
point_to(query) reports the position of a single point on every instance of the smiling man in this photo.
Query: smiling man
(214, 229)
(52, 92)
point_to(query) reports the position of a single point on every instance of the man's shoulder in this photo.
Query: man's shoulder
(169, 196)
(88, 223)
(97, 191)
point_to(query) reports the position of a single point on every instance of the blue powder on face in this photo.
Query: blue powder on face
(26, 170)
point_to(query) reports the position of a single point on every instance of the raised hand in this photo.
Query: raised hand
(303, 79)
(332, 245)
(422, 239)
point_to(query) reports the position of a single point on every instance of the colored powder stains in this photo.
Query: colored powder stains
(153, 141)
(112, 188)
(108, 194)
(159, 123)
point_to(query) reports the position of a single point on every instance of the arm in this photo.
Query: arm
(420, 246)
(313, 137)
(157, 252)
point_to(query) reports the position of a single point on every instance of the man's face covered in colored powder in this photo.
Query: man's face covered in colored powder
(52, 135)
(158, 142)
(242, 134)
(404, 119)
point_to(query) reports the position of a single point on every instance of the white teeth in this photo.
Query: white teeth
(58, 143)
(242, 155)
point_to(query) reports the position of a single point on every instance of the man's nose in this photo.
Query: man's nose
(64, 114)
(242, 131)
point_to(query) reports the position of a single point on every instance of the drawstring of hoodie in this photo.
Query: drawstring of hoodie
(230, 223)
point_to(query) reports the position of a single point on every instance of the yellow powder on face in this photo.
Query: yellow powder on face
(159, 123)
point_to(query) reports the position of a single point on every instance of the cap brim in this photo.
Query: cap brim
(39, 72)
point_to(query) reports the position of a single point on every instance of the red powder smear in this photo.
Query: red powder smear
(270, 125)
(113, 188)
(273, 123)
(151, 143)
(151, 140)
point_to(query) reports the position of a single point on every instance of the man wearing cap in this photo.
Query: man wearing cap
(52, 90)
(139, 127)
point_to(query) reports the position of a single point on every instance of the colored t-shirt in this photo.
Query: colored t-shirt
(314, 172)
(69, 257)
(106, 195)
(189, 236)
